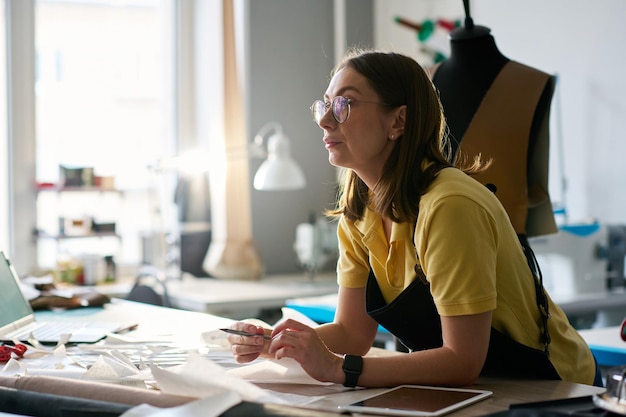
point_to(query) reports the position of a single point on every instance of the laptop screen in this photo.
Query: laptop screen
(13, 304)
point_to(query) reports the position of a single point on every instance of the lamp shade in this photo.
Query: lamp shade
(279, 171)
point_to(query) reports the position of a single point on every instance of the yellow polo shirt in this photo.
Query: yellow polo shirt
(473, 260)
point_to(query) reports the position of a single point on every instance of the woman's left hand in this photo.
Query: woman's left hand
(292, 339)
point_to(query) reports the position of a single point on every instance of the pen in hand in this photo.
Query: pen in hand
(242, 333)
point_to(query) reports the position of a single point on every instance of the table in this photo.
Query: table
(242, 299)
(185, 327)
(595, 309)
(236, 299)
(607, 345)
(170, 325)
(606, 309)
(506, 392)
(605, 342)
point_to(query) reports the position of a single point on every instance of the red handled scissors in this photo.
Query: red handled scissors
(6, 351)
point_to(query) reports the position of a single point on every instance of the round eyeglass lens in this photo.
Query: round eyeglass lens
(318, 108)
(341, 108)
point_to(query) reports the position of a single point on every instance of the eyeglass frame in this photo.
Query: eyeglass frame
(330, 106)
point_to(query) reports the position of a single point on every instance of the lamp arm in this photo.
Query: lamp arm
(260, 136)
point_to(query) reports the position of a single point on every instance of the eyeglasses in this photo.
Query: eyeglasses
(340, 106)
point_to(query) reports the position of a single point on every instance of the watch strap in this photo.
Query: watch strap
(352, 367)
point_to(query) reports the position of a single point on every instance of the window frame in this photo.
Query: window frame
(4, 146)
(21, 132)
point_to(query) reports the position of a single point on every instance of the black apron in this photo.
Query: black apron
(413, 318)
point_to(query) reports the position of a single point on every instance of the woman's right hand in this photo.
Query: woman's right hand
(248, 348)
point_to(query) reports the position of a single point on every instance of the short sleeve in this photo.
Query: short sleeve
(457, 249)
(353, 264)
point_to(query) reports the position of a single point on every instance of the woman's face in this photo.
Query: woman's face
(362, 143)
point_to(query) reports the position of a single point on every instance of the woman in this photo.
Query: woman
(424, 250)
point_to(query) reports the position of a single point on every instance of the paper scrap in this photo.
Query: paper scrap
(200, 377)
(290, 313)
(211, 406)
(107, 368)
(285, 370)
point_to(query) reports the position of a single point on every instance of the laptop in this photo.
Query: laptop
(17, 320)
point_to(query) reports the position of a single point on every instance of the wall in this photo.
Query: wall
(289, 56)
(581, 43)
(289, 59)
(359, 23)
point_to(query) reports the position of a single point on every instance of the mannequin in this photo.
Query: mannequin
(485, 120)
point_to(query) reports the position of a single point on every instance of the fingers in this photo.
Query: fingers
(247, 348)
(299, 342)
(245, 353)
(248, 328)
(291, 338)
(289, 324)
(249, 338)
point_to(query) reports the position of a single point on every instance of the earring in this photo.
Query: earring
(392, 137)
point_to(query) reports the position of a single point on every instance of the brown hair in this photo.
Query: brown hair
(399, 80)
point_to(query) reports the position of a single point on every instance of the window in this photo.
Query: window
(105, 100)
(4, 158)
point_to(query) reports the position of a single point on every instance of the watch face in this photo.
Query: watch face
(353, 364)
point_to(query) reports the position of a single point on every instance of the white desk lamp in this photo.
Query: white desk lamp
(279, 171)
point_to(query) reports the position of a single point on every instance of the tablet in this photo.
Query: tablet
(417, 400)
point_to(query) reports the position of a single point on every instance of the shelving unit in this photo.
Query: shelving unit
(65, 220)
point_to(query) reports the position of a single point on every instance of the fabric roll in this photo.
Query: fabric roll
(30, 403)
(93, 390)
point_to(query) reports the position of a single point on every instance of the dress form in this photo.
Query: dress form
(464, 78)
(464, 81)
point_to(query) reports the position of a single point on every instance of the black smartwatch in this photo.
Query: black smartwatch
(352, 367)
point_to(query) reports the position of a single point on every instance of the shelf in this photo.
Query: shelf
(79, 189)
(44, 235)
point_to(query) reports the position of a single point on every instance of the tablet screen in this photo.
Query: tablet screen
(413, 400)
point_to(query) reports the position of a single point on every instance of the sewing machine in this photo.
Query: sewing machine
(583, 271)
(572, 260)
(316, 244)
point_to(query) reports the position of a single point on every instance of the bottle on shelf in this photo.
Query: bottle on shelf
(110, 268)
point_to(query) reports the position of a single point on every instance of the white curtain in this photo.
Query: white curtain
(232, 253)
